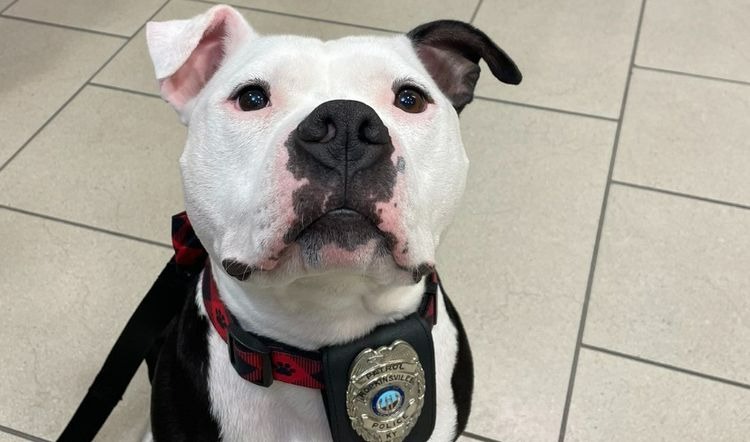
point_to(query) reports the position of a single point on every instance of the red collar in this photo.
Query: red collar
(259, 359)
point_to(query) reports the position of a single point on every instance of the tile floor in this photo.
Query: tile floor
(601, 261)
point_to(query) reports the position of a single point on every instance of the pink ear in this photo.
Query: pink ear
(187, 53)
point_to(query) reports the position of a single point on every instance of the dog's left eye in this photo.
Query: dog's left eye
(410, 100)
(252, 98)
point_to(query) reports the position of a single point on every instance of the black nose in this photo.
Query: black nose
(344, 135)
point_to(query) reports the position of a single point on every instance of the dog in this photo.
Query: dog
(319, 177)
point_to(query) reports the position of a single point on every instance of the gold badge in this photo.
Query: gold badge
(386, 392)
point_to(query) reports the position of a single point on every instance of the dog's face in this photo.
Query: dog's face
(307, 157)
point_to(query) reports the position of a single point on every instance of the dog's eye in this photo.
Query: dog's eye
(252, 98)
(410, 100)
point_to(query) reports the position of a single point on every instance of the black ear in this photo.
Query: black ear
(450, 50)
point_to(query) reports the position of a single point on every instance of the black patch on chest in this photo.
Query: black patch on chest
(180, 403)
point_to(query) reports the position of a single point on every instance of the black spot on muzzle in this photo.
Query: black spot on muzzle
(344, 151)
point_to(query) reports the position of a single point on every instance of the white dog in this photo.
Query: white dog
(319, 177)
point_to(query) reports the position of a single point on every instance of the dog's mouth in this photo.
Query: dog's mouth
(343, 230)
(340, 237)
(344, 227)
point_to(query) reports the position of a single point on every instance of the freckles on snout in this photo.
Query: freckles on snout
(391, 223)
(390, 213)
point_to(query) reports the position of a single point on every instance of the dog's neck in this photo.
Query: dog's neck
(315, 311)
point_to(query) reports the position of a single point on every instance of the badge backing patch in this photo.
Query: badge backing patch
(346, 369)
(386, 392)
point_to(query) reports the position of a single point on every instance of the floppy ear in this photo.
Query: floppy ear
(450, 50)
(187, 53)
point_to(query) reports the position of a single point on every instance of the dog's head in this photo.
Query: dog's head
(308, 156)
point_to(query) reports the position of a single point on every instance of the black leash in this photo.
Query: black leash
(155, 312)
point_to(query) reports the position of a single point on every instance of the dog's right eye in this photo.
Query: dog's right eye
(252, 98)
(410, 99)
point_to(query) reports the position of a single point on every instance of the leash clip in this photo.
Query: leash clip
(248, 355)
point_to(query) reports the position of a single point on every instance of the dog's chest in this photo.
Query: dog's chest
(288, 412)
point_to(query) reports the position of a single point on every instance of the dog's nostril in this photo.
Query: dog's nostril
(373, 133)
(330, 134)
(312, 131)
(316, 131)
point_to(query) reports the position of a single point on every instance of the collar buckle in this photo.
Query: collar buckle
(250, 357)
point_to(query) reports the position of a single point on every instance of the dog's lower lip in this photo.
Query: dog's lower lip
(342, 212)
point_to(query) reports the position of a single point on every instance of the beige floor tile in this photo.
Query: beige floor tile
(709, 38)
(521, 310)
(4, 4)
(621, 400)
(463, 438)
(113, 16)
(6, 437)
(574, 55)
(672, 283)
(394, 15)
(132, 68)
(109, 159)
(518, 275)
(66, 293)
(687, 134)
(534, 163)
(41, 67)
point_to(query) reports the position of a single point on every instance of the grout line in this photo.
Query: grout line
(21, 434)
(122, 89)
(478, 437)
(52, 117)
(544, 108)
(86, 226)
(690, 74)
(683, 195)
(9, 6)
(599, 230)
(286, 14)
(476, 11)
(75, 94)
(58, 25)
(666, 366)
